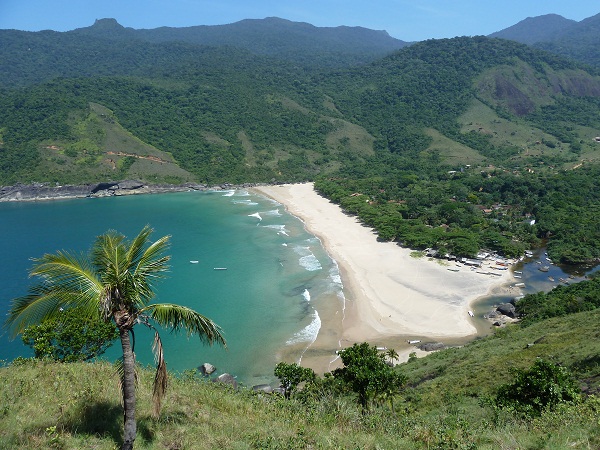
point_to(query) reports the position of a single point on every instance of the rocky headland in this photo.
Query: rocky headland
(48, 191)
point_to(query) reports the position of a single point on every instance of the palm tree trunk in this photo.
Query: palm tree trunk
(129, 427)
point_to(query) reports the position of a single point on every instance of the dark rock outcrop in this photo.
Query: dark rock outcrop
(265, 388)
(431, 346)
(42, 191)
(46, 191)
(507, 309)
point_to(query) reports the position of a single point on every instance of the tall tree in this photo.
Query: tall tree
(366, 373)
(113, 282)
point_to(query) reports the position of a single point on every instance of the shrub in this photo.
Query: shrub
(291, 375)
(70, 337)
(541, 387)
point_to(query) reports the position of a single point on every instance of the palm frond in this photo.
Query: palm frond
(160, 378)
(149, 267)
(67, 271)
(153, 261)
(32, 309)
(66, 281)
(135, 249)
(108, 256)
(179, 318)
(105, 246)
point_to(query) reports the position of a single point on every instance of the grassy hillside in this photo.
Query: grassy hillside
(47, 405)
(101, 149)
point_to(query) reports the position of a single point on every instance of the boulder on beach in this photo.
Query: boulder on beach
(432, 346)
(507, 309)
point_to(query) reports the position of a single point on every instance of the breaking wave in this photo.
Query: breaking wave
(308, 333)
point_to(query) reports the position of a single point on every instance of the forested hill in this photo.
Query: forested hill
(435, 134)
(271, 36)
(299, 43)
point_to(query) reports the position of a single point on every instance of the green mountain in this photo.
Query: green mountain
(535, 29)
(580, 42)
(299, 42)
(413, 129)
(554, 33)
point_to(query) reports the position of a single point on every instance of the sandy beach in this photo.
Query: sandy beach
(391, 296)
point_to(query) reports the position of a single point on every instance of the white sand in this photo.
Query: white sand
(388, 292)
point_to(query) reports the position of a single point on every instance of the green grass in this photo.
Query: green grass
(350, 137)
(451, 152)
(445, 405)
(481, 118)
(97, 151)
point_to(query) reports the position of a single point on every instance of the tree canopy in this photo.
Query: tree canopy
(69, 337)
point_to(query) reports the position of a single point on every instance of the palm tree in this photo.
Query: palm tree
(113, 282)
(392, 355)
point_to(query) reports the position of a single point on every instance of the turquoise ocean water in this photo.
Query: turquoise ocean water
(267, 301)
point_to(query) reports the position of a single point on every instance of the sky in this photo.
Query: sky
(408, 20)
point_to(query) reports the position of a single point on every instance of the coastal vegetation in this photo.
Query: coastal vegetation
(114, 283)
(69, 337)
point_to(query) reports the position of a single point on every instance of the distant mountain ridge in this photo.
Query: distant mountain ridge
(271, 36)
(535, 29)
(554, 33)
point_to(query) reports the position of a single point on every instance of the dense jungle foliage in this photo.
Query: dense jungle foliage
(457, 144)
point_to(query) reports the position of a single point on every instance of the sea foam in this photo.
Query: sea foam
(308, 333)
(307, 259)
(257, 215)
(306, 295)
(245, 202)
(310, 263)
(280, 229)
(273, 212)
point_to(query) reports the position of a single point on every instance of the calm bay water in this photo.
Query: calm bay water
(266, 301)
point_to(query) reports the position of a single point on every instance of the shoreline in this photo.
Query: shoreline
(46, 191)
(390, 296)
